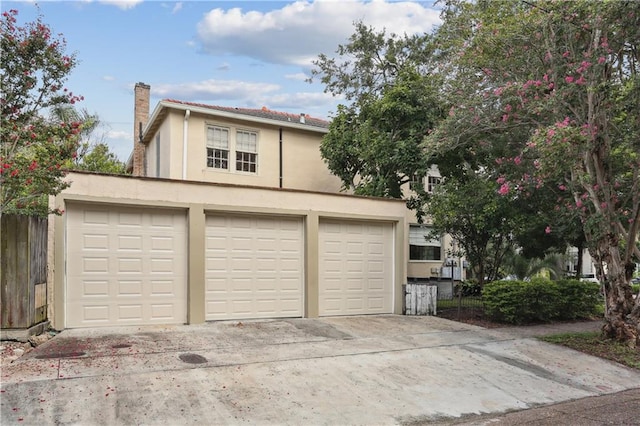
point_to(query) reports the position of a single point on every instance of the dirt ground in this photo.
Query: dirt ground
(11, 350)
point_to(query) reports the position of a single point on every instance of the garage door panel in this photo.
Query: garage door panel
(257, 271)
(356, 268)
(123, 269)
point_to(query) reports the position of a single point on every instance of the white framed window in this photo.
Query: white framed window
(416, 182)
(422, 247)
(246, 151)
(226, 144)
(432, 182)
(218, 147)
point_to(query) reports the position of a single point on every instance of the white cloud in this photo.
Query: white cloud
(120, 135)
(210, 90)
(177, 7)
(108, 78)
(122, 4)
(299, 31)
(225, 66)
(298, 76)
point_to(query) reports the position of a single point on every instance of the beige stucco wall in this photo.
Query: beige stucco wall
(199, 198)
(302, 165)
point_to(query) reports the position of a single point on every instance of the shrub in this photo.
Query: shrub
(469, 288)
(519, 302)
(578, 299)
(540, 300)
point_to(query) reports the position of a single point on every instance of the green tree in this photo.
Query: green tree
(467, 208)
(557, 85)
(373, 143)
(93, 154)
(34, 148)
(97, 157)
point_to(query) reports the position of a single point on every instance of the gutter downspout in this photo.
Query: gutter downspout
(280, 157)
(185, 138)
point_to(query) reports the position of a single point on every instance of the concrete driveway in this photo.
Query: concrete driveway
(368, 370)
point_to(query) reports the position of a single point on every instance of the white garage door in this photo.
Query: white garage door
(356, 268)
(125, 266)
(254, 267)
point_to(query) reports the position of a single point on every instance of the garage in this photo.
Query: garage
(125, 266)
(355, 267)
(254, 266)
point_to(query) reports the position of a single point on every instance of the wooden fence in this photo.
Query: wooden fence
(23, 271)
(420, 299)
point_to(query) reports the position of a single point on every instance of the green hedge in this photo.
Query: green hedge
(540, 300)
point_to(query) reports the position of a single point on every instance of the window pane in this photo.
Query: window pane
(218, 137)
(246, 162)
(424, 253)
(217, 158)
(247, 141)
(419, 236)
(432, 182)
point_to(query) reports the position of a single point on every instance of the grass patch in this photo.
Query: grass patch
(593, 343)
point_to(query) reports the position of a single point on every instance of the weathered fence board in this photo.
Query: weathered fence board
(421, 299)
(23, 271)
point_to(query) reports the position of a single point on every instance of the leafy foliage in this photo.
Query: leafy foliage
(97, 157)
(540, 300)
(33, 148)
(468, 209)
(93, 154)
(544, 94)
(373, 143)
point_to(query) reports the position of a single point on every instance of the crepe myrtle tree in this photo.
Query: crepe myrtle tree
(34, 147)
(562, 79)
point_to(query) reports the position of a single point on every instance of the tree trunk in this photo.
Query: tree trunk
(622, 312)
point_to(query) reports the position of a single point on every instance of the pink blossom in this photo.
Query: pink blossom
(517, 160)
(547, 230)
(551, 133)
(601, 59)
(581, 80)
(568, 79)
(508, 108)
(500, 180)
(566, 54)
(505, 117)
(562, 187)
(603, 205)
(579, 203)
(504, 189)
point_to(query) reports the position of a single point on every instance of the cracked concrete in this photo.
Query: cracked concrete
(385, 369)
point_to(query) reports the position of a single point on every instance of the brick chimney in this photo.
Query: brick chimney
(141, 117)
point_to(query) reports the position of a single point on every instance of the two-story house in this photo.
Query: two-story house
(188, 141)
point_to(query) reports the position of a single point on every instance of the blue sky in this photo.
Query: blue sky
(230, 53)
